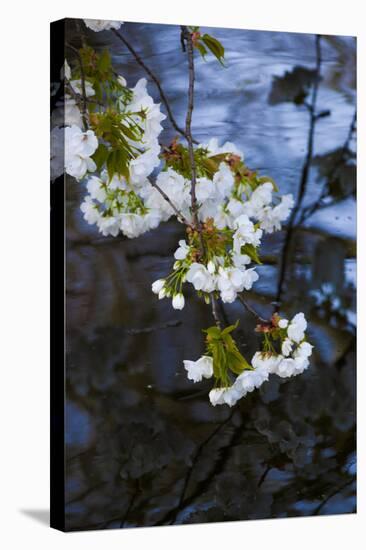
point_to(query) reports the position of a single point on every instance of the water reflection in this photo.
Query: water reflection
(144, 447)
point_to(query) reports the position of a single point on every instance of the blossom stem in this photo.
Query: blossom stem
(304, 175)
(84, 107)
(153, 77)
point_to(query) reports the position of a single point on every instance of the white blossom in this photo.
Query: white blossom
(223, 181)
(202, 368)
(90, 210)
(211, 268)
(228, 147)
(205, 189)
(245, 233)
(144, 164)
(79, 146)
(292, 367)
(271, 218)
(260, 198)
(232, 280)
(142, 101)
(228, 396)
(304, 350)
(297, 327)
(182, 251)
(122, 81)
(175, 187)
(96, 188)
(200, 277)
(71, 113)
(249, 380)
(283, 323)
(178, 301)
(266, 361)
(108, 225)
(132, 225)
(98, 25)
(286, 347)
(158, 285)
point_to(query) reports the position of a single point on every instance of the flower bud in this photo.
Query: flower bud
(211, 267)
(157, 286)
(162, 293)
(178, 301)
(122, 81)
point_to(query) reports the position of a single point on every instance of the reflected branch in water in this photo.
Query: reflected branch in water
(345, 152)
(304, 174)
(331, 495)
(171, 516)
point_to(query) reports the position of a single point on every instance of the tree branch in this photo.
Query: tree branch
(215, 312)
(84, 107)
(194, 205)
(304, 175)
(153, 77)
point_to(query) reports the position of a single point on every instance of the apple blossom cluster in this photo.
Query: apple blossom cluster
(289, 359)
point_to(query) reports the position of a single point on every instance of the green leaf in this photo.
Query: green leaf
(104, 61)
(251, 251)
(200, 47)
(213, 332)
(100, 156)
(111, 164)
(229, 329)
(215, 47)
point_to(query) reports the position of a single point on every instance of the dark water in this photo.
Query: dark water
(144, 446)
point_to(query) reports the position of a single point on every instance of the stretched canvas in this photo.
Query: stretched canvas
(203, 274)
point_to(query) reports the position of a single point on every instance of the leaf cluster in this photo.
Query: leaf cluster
(225, 354)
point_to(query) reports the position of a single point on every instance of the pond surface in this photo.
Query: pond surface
(143, 444)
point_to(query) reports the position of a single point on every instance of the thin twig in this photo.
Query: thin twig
(252, 311)
(84, 108)
(180, 216)
(153, 77)
(304, 175)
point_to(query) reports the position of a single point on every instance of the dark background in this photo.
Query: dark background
(143, 444)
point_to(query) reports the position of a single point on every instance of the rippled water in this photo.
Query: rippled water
(143, 445)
